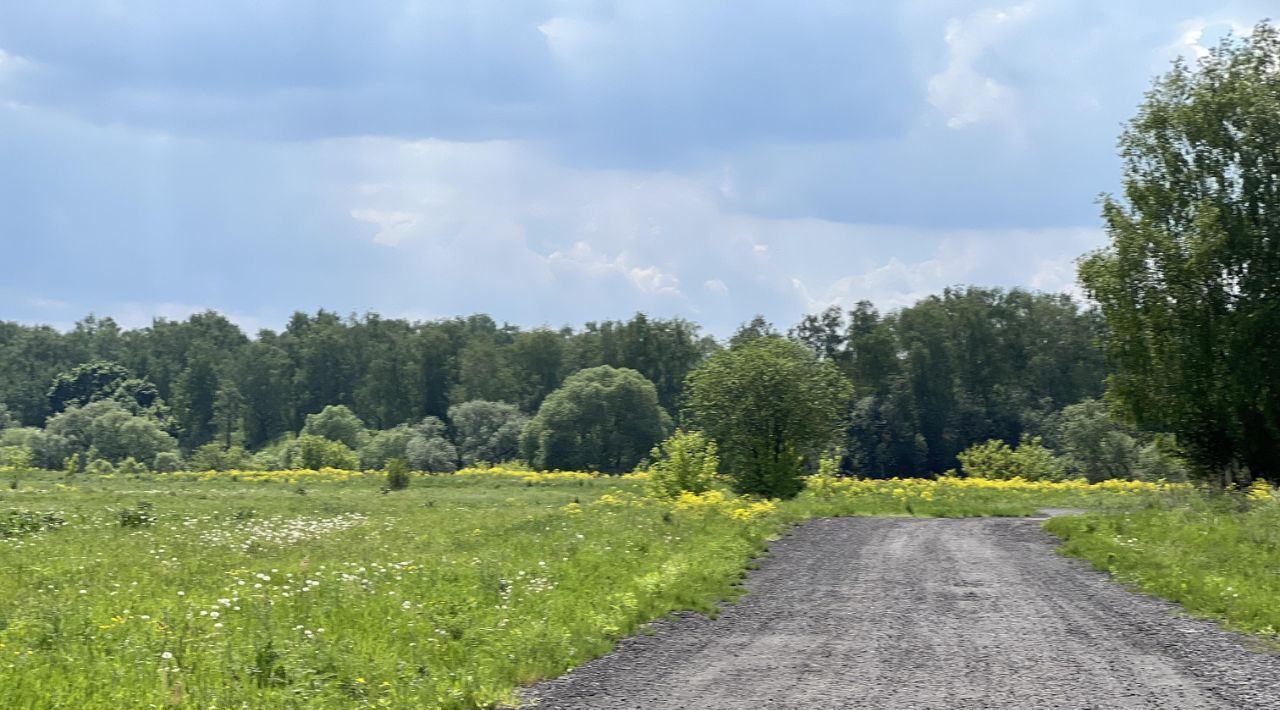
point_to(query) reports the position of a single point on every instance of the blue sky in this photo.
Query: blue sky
(558, 162)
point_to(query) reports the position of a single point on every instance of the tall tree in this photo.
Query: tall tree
(195, 393)
(261, 373)
(1190, 282)
(602, 419)
(487, 431)
(537, 357)
(337, 422)
(768, 403)
(228, 414)
(86, 383)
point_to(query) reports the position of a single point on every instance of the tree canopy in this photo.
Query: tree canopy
(768, 403)
(1190, 281)
(487, 431)
(601, 419)
(965, 366)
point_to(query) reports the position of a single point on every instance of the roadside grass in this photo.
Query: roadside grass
(1217, 555)
(949, 497)
(317, 589)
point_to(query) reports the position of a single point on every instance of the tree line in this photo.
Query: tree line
(926, 381)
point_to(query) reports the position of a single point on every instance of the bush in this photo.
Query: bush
(16, 457)
(316, 452)
(111, 431)
(167, 462)
(274, 456)
(397, 475)
(337, 423)
(48, 450)
(1158, 462)
(686, 461)
(429, 450)
(994, 459)
(770, 405)
(139, 516)
(132, 467)
(601, 419)
(1091, 442)
(213, 457)
(100, 467)
(383, 446)
(75, 463)
(487, 431)
(432, 454)
(25, 522)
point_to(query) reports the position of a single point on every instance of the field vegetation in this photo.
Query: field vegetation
(1216, 555)
(322, 588)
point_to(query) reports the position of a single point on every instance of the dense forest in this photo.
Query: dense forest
(928, 381)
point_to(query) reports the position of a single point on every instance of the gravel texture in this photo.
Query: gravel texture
(923, 614)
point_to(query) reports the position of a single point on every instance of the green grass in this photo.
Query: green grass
(328, 593)
(449, 594)
(1216, 555)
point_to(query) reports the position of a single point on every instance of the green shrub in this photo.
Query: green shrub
(73, 464)
(131, 467)
(397, 475)
(1158, 462)
(337, 422)
(315, 452)
(48, 450)
(100, 466)
(139, 516)
(994, 459)
(167, 462)
(214, 457)
(24, 522)
(274, 456)
(16, 457)
(382, 446)
(1037, 463)
(429, 449)
(686, 461)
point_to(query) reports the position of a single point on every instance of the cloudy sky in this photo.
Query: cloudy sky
(557, 162)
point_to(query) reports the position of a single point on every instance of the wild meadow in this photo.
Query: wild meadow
(1216, 555)
(247, 589)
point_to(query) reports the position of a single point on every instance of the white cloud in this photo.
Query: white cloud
(961, 91)
(1038, 259)
(567, 35)
(582, 257)
(392, 226)
(716, 286)
(606, 243)
(893, 284)
(11, 64)
(1057, 276)
(52, 304)
(140, 315)
(1198, 35)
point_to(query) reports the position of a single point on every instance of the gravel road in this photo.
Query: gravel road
(924, 614)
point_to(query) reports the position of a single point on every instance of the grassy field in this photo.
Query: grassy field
(318, 589)
(1216, 555)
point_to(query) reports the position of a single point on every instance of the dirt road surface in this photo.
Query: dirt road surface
(926, 614)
